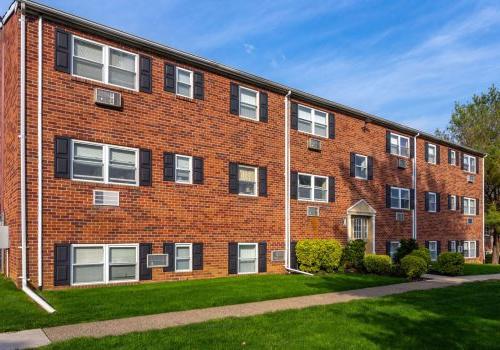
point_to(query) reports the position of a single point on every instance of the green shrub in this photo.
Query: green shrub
(423, 253)
(407, 246)
(451, 264)
(488, 258)
(378, 264)
(353, 254)
(314, 255)
(413, 266)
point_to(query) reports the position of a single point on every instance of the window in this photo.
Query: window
(183, 257)
(453, 157)
(247, 258)
(312, 121)
(432, 204)
(183, 169)
(453, 246)
(88, 264)
(122, 263)
(247, 179)
(104, 163)
(249, 103)
(361, 166)
(453, 202)
(393, 249)
(184, 82)
(313, 188)
(469, 163)
(431, 153)
(103, 63)
(433, 250)
(360, 227)
(469, 206)
(400, 145)
(470, 249)
(400, 198)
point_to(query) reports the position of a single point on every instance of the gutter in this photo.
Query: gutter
(414, 180)
(12, 9)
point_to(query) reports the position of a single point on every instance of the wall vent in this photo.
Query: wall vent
(312, 211)
(402, 163)
(278, 255)
(157, 260)
(471, 178)
(400, 216)
(470, 221)
(108, 98)
(314, 144)
(109, 198)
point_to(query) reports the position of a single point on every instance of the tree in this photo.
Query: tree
(477, 124)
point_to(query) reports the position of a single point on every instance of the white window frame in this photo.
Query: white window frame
(400, 197)
(191, 84)
(183, 245)
(468, 245)
(453, 158)
(255, 169)
(105, 62)
(433, 146)
(468, 206)
(256, 245)
(190, 181)
(392, 253)
(453, 202)
(432, 194)
(433, 244)
(313, 122)
(467, 161)
(257, 101)
(106, 263)
(399, 138)
(361, 223)
(313, 185)
(105, 161)
(356, 167)
(453, 246)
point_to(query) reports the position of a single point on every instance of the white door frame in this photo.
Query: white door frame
(370, 212)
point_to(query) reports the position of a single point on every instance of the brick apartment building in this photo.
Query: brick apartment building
(116, 150)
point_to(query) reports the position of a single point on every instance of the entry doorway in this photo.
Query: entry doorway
(361, 224)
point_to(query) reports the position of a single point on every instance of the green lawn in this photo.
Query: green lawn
(462, 317)
(91, 304)
(481, 269)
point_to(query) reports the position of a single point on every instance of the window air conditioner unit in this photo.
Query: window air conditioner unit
(4, 237)
(471, 178)
(108, 98)
(402, 164)
(277, 255)
(400, 216)
(108, 198)
(157, 260)
(312, 211)
(314, 144)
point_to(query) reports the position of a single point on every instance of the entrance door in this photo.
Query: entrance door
(361, 229)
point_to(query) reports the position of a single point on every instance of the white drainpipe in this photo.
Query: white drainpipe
(287, 180)
(40, 150)
(22, 137)
(414, 178)
(484, 207)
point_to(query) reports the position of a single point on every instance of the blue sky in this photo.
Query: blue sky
(407, 61)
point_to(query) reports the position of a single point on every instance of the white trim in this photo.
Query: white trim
(415, 197)
(455, 199)
(10, 11)
(257, 103)
(469, 200)
(435, 202)
(469, 157)
(469, 250)
(72, 259)
(452, 151)
(256, 259)
(399, 137)
(484, 209)
(313, 183)
(108, 267)
(183, 245)
(431, 250)
(365, 167)
(256, 170)
(287, 181)
(429, 146)
(400, 197)
(191, 84)
(40, 155)
(190, 159)
(313, 122)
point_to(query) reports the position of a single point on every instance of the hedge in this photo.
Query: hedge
(314, 255)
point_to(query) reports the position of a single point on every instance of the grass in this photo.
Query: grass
(92, 304)
(481, 269)
(462, 317)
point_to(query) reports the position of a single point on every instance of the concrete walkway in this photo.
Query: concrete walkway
(40, 337)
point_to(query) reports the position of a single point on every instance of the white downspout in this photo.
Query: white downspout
(22, 138)
(40, 151)
(287, 180)
(415, 196)
(484, 207)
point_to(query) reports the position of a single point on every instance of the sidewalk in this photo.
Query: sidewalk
(40, 337)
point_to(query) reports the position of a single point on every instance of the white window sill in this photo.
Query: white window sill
(311, 134)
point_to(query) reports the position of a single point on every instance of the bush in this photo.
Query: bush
(451, 264)
(488, 258)
(423, 253)
(353, 254)
(378, 264)
(407, 246)
(413, 266)
(314, 255)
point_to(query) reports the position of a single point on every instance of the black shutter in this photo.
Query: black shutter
(197, 170)
(331, 125)
(62, 264)
(477, 249)
(462, 160)
(427, 151)
(438, 247)
(477, 165)
(449, 246)
(262, 257)
(331, 189)
(477, 206)
(387, 196)
(294, 176)
(197, 256)
(412, 198)
(387, 141)
(62, 156)
(145, 167)
(294, 116)
(352, 169)
(199, 85)
(426, 201)
(388, 248)
(449, 202)
(263, 108)
(457, 158)
(462, 200)
(234, 99)
(169, 248)
(438, 154)
(412, 148)
(263, 182)
(232, 258)
(370, 168)
(233, 178)
(145, 76)
(169, 79)
(457, 202)
(145, 273)
(168, 166)
(449, 157)
(438, 202)
(62, 51)
(293, 256)
(427, 244)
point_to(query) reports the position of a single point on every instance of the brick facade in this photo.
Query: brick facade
(207, 213)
